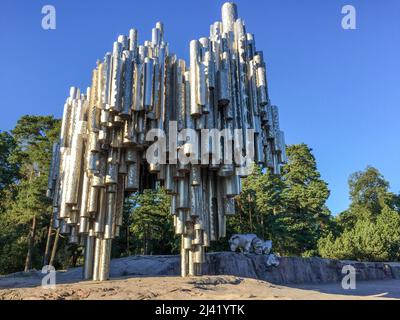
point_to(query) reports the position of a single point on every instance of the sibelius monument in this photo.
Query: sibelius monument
(151, 120)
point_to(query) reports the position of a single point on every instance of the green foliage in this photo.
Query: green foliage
(152, 223)
(8, 169)
(122, 245)
(26, 154)
(259, 201)
(305, 215)
(258, 206)
(369, 190)
(289, 209)
(370, 227)
(12, 246)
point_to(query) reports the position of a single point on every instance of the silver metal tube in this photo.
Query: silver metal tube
(128, 78)
(183, 191)
(133, 36)
(132, 179)
(75, 162)
(116, 78)
(101, 153)
(148, 87)
(195, 108)
(120, 196)
(110, 215)
(104, 270)
(100, 216)
(184, 258)
(195, 201)
(223, 87)
(191, 269)
(89, 258)
(84, 225)
(180, 222)
(229, 16)
(138, 87)
(156, 36)
(85, 191)
(97, 258)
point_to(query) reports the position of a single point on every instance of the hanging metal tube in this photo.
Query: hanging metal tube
(101, 153)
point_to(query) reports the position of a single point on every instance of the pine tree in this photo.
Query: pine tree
(152, 223)
(304, 197)
(289, 209)
(8, 169)
(27, 215)
(370, 228)
(258, 206)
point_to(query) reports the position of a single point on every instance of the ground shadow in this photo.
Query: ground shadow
(378, 288)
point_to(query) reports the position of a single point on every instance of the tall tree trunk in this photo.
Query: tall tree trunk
(31, 241)
(127, 241)
(145, 242)
(250, 215)
(240, 211)
(48, 243)
(55, 244)
(75, 256)
(262, 227)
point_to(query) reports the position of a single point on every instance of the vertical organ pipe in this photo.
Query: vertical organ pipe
(101, 153)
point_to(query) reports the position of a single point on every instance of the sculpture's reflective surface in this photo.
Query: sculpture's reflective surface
(101, 155)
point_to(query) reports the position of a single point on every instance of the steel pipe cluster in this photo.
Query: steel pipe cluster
(101, 155)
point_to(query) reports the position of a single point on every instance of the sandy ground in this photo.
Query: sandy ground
(207, 287)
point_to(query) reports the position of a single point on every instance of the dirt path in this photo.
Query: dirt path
(208, 287)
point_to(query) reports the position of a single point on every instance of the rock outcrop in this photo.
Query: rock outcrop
(293, 270)
(296, 270)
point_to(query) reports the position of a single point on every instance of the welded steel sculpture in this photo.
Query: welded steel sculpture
(102, 154)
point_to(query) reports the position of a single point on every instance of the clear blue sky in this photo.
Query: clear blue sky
(338, 90)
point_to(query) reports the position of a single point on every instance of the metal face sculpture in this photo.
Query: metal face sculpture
(101, 155)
